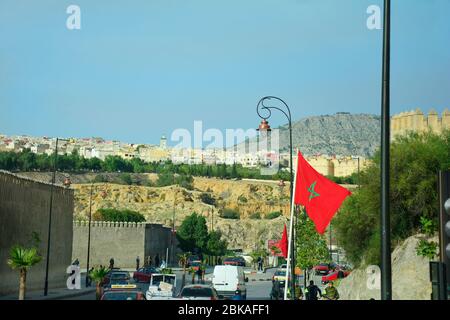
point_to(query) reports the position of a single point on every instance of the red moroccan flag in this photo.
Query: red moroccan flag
(320, 196)
(283, 243)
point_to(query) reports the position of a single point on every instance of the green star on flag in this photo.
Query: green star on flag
(312, 193)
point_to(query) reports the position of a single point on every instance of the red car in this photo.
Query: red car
(339, 274)
(123, 295)
(322, 268)
(144, 274)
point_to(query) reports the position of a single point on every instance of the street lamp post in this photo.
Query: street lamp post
(264, 126)
(47, 262)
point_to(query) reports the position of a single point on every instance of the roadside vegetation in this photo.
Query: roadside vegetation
(22, 258)
(193, 236)
(415, 161)
(116, 215)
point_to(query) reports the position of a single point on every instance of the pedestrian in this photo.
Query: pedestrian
(137, 262)
(157, 260)
(330, 292)
(312, 292)
(199, 274)
(89, 282)
(259, 261)
(111, 263)
(163, 264)
(298, 293)
(149, 261)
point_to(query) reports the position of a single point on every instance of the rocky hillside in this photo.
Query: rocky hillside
(410, 277)
(160, 205)
(341, 134)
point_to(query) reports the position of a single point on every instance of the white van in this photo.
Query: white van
(228, 279)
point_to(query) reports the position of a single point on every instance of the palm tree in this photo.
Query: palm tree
(182, 260)
(23, 258)
(98, 275)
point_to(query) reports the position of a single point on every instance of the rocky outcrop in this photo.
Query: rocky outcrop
(410, 276)
(341, 134)
(163, 204)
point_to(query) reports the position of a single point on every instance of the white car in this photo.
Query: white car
(229, 279)
(198, 292)
(162, 287)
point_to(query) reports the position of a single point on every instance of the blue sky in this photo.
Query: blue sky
(140, 69)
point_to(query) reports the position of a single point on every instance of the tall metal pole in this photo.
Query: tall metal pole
(172, 258)
(386, 269)
(288, 116)
(47, 262)
(331, 248)
(89, 236)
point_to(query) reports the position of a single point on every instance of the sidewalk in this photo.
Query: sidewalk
(53, 294)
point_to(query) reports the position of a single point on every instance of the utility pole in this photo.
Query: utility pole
(386, 268)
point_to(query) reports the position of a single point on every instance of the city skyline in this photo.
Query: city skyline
(138, 72)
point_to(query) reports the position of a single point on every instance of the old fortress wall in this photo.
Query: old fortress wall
(123, 241)
(24, 210)
(417, 121)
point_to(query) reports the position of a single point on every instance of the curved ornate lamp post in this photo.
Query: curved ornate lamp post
(264, 126)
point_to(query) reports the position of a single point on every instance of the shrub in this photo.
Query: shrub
(116, 215)
(125, 178)
(242, 199)
(427, 249)
(273, 215)
(255, 215)
(207, 198)
(230, 214)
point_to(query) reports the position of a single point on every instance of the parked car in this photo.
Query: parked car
(121, 293)
(332, 276)
(193, 259)
(162, 286)
(199, 292)
(279, 275)
(228, 279)
(322, 268)
(234, 261)
(116, 274)
(144, 274)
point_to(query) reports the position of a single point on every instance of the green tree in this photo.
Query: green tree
(98, 275)
(216, 246)
(23, 259)
(311, 247)
(193, 233)
(415, 160)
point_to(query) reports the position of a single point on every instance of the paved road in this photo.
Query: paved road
(256, 289)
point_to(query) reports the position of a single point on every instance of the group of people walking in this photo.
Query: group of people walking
(313, 292)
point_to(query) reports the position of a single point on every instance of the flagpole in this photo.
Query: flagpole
(291, 224)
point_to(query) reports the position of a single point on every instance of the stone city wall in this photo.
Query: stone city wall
(24, 209)
(123, 241)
